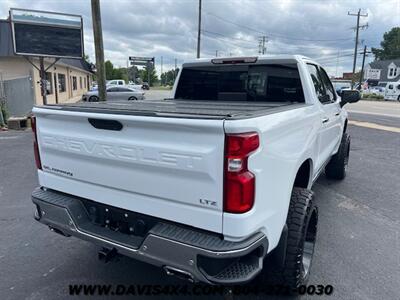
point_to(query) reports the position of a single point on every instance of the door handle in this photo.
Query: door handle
(337, 114)
(105, 124)
(325, 120)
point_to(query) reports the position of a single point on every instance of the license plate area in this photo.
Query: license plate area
(119, 220)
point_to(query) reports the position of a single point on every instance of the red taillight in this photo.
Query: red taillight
(239, 186)
(35, 143)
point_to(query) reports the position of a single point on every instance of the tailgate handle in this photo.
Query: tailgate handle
(105, 124)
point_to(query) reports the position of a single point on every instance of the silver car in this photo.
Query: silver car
(114, 93)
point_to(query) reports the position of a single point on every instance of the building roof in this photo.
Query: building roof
(383, 66)
(6, 49)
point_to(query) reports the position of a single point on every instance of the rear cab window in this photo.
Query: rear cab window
(261, 83)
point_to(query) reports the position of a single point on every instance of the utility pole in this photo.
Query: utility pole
(99, 50)
(43, 80)
(175, 69)
(337, 63)
(216, 53)
(161, 71)
(261, 44)
(363, 62)
(358, 14)
(149, 69)
(127, 69)
(199, 31)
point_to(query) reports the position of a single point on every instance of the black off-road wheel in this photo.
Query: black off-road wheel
(338, 165)
(302, 223)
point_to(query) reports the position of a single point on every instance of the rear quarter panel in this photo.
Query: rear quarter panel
(287, 139)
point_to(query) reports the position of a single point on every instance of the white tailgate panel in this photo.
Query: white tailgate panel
(164, 167)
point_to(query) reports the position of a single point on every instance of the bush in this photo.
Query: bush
(372, 96)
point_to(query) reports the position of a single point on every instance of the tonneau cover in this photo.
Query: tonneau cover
(198, 109)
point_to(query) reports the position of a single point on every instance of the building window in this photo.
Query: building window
(61, 83)
(49, 84)
(392, 71)
(80, 82)
(74, 83)
(84, 82)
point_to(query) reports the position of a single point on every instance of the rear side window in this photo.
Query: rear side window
(316, 79)
(322, 85)
(328, 85)
(263, 83)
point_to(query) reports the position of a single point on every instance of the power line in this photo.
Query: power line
(230, 37)
(251, 42)
(228, 41)
(273, 34)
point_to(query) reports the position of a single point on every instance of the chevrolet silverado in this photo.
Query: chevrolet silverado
(214, 184)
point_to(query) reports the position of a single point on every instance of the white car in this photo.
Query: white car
(114, 93)
(135, 86)
(207, 184)
(392, 91)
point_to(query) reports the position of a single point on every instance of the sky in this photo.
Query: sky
(322, 30)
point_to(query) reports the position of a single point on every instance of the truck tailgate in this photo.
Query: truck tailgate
(171, 168)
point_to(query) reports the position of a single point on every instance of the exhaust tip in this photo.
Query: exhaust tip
(37, 214)
(105, 255)
(171, 271)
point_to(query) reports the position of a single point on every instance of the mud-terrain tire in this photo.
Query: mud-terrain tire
(337, 166)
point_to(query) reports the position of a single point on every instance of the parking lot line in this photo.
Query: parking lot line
(373, 113)
(375, 126)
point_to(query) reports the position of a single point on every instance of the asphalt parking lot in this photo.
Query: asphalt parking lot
(358, 238)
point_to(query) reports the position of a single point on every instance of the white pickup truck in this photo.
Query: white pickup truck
(214, 184)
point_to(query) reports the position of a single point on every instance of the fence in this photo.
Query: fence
(19, 96)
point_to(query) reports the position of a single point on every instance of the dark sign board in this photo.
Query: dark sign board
(140, 63)
(138, 58)
(37, 33)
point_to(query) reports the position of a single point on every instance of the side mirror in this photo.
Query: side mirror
(349, 96)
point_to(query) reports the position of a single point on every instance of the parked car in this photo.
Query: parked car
(377, 90)
(208, 184)
(392, 91)
(116, 82)
(114, 93)
(341, 85)
(145, 86)
(135, 86)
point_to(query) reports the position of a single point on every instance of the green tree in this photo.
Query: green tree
(115, 73)
(144, 75)
(168, 78)
(390, 46)
(109, 70)
(86, 58)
